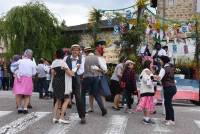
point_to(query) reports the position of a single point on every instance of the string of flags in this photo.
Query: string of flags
(157, 28)
(155, 25)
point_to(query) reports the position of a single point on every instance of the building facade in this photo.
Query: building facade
(176, 9)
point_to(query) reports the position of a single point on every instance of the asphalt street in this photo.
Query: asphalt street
(39, 120)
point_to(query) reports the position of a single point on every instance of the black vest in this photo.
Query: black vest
(69, 62)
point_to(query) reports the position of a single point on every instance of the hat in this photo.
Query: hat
(165, 59)
(99, 49)
(75, 46)
(87, 49)
(129, 61)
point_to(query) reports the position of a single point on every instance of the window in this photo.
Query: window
(171, 2)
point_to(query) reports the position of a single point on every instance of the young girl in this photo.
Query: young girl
(128, 77)
(146, 93)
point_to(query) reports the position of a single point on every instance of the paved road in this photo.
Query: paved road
(38, 121)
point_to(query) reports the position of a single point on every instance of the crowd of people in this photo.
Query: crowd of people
(84, 72)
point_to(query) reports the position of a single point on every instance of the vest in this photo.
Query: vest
(90, 61)
(69, 62)
(168, 79)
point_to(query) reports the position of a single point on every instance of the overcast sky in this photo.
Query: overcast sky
(72, 11)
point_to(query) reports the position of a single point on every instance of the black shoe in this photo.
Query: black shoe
(25, 111)
(116, 109)
(104, 112)
(29, 106)
(69, 106)
(83, 121)
(20, 111)
(154, 112)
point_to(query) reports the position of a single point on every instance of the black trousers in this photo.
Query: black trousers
(42, 86)
(5, 83)
(129, 98)
(169, 92)
(76, 90)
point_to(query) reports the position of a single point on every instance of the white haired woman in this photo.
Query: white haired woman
(23, 84)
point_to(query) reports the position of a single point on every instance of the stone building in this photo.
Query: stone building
(176, 9)
(106, 34)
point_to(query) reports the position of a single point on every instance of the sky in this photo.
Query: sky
(74, 12)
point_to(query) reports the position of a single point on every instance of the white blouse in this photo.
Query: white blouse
(27, 67)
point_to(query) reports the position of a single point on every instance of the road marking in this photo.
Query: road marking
(64, 128)
(117, 124)
(22, 123)
(159, 128)
(3, 113)
(195, 110)
(197, 123)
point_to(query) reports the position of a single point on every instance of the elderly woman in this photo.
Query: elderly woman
(23, 84)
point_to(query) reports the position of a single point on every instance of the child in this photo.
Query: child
(146, 93)
(14, 66)
(128, 77)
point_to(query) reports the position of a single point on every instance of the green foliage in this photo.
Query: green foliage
(32, 26)
(134, 37)
(68, 39)
(94, 22)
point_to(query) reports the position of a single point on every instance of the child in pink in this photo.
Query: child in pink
(146, 93)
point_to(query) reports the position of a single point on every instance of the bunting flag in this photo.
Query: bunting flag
(116, 29)
(174, 48)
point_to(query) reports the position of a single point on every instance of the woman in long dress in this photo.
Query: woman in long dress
(62, 87)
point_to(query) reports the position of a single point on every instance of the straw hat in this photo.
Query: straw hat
(129, 61)
(75, 46)
(87, 49)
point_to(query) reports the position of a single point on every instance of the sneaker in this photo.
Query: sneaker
(89, 110)
(20, 110)
(55, 120)
(151, 121)
(170, 123)
(63, 121)
(146, 122)
(25, 111)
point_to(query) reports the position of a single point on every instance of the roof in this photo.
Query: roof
(103, 25)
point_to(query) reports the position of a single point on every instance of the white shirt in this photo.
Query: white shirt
(27, 67)
(80, 71)
(162, 72)
(102, 64)
(117, 72)
(160, 52)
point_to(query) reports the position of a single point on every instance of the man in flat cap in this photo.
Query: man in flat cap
(76, 63)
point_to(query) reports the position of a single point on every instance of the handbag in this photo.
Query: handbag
(105, 86)
(122, 84)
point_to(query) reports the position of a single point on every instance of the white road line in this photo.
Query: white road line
(65, 128)
(3, 113)
(159, 128)
(117, 124)
(197, 123)
(22, 123)
(195, 110)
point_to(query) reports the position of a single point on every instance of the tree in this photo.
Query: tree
(31, 26)
(94, 22)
